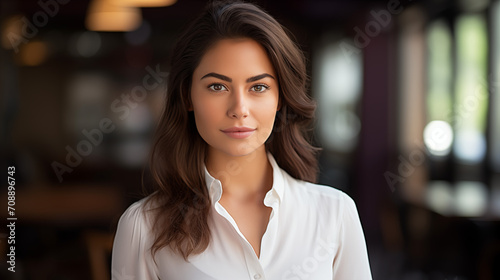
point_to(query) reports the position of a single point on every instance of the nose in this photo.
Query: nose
(238, 108)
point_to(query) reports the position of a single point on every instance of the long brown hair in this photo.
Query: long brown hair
(181, 198)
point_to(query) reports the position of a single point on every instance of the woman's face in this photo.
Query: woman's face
(234, 96)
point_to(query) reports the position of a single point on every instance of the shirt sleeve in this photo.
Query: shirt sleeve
(131, 257)
(351, 261)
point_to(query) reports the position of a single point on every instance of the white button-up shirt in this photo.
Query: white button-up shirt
(313, 233)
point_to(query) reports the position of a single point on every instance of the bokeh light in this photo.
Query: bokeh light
(438, 138)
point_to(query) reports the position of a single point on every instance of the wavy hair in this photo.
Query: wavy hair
(181, 200)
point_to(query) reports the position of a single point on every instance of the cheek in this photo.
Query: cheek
(210, 108)
(206, 113)
(265, 113)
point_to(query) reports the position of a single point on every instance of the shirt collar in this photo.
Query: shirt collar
(274, 195)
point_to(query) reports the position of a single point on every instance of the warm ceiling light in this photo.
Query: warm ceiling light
(11, 32)
(33, 53)
(144, 3)
(104, 15)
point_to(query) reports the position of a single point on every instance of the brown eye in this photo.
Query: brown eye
(217, 87)
(259, 88)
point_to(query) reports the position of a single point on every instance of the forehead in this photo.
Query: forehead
(232, 57)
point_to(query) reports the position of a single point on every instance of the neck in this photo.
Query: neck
(241, 176)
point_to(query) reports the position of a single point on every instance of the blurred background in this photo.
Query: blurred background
(408, 118)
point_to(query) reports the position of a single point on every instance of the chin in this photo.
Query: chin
(238, 150)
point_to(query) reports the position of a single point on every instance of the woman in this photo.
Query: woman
(233, 169)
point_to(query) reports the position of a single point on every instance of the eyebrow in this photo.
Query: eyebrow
(218, 76)
(258, 77)
(227, 79)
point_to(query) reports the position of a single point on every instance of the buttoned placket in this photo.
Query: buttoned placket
(254, 265)
(255, 269)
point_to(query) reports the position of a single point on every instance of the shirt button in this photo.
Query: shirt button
(256, 276)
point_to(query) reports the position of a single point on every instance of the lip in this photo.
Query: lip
(238, 132)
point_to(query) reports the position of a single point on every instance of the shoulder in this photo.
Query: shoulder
(315, 191)
(137, 217)
(320, 197)
(132, 243)
(136, 209)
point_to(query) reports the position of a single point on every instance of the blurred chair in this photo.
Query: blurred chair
(99, 246)
(80, 207)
